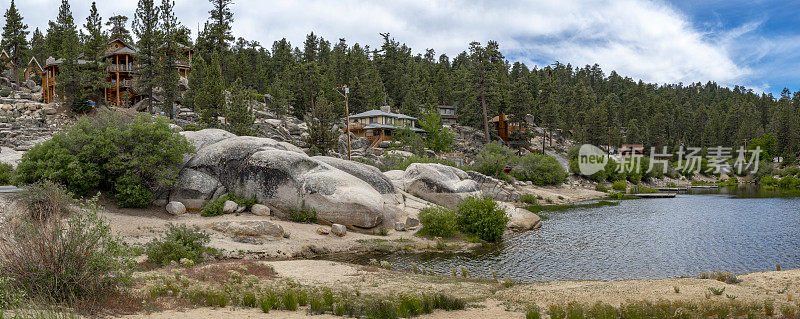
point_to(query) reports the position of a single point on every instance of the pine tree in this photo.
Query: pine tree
(70, 78)
(208, 98)
(145, 26)
(119, 30)
(195, 82)
(38, 46)
(219, 28)
(238, 114)
(167, 76)
(94, 73)
(15, 40)
(322, 135)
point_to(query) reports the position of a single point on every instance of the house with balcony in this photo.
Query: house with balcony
(120, 59)
(380, 125)
(448, 114)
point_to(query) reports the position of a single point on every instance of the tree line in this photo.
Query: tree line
(592, 106)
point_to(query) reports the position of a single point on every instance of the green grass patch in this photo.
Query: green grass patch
(561, 208)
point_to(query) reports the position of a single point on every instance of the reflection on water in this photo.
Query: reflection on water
(639, 239)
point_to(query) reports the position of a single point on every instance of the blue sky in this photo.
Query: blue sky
(750, 43)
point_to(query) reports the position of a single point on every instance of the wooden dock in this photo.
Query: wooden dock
(672, 189)
(656, 195)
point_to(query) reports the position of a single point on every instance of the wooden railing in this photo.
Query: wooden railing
(120, 68)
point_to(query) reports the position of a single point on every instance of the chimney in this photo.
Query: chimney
(386, 108)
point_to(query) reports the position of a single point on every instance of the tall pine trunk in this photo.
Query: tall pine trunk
(485, 118)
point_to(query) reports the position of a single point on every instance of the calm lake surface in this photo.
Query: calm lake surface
(638, 239)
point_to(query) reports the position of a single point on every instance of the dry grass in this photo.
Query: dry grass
(219, 273)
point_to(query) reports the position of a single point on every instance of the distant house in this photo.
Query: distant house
(631, 149)
(4, 56)
(380, 125)
(505, 125)
(122, 63)
(33, 69)
(448, 114)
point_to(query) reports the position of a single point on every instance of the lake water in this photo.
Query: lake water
(638, 239)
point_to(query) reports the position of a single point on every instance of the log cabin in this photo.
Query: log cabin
(120, 58)
(33, 69)
(505, 125)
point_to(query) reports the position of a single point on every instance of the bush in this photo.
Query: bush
(5, 92)
(399, 162)
(600, 188)
(192, 127)
(106, 150)
(481, 216)
(214, 207)
(529, 199)
(65, 260)
(493, 159)
(10, 297)
(789, 182)
(619, 186)
(303, 215)
(130, 192)
(44, 200)
(768, 180)
(6, 171)
(540, 169)
(179, 242)
(438, 221)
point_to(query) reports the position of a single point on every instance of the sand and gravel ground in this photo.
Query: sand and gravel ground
(490, 299)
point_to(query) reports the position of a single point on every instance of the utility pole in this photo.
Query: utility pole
(347, 115)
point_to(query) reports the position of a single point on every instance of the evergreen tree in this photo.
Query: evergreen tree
(38, 46)
(322, 133)
(238, 113)
(15, 40)
(167, 76)
(219, 28)
(145, 26)
(119, 29)
(70, 77)
(94, 71)
(208, 98)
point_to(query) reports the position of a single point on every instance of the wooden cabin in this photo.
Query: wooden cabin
(33, 69)
(379, 125)
(631, 149)
(448, 114)
(49, 76)
(4, 56)
(121, 61)
(506, 124)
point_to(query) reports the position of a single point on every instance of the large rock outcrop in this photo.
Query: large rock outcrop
(281, 176)
(437, 183)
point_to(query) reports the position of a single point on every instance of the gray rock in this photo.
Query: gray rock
(240, 209)
(193, 189)
(30, 84)
(364, 172)
(412, 222)
(229, 207)
(176, 208)
(338, 230)
(260, 210)
(440, 184)
(280, 175)
(399, 226)
(254, 228)
(323, 231)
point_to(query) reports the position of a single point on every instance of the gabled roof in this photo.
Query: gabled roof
(4, 53)
(123, 43)
(59, 61)
(35, 62)
(124, 50)
(376, 113)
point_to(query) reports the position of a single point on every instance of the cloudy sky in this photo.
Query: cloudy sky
(733, 42)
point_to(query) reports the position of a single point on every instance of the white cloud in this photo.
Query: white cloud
(637, 38)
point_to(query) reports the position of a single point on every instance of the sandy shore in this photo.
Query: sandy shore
(488, 298)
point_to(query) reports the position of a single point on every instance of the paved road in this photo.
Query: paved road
(9, 189)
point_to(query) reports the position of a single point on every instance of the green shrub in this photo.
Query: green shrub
(45, 199)
(539, 169)
(481, 216)
(528, 199)
(399, 162)
(192, 127)
(789, 182)
(438, 221)
(105, 150)
(6, 171)
(129, 192)
(600, 188)
(619, 186)
(178, 242)
(493, 158)
(5, 92)
(10, 296)
(304, 215)
(768, 180)
(75, 259)
(214, 207)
